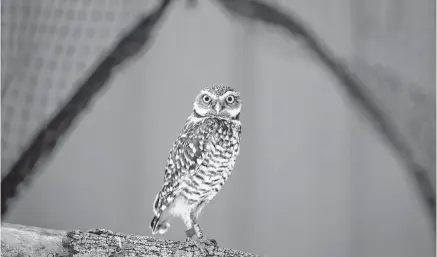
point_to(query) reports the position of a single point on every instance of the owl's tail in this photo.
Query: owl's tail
(159, 227)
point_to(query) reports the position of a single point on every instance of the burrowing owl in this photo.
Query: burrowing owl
(200, 161)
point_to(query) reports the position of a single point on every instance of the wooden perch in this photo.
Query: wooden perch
(24, 241)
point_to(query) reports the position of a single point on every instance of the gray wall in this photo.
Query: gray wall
(312, 178)
(397, 37)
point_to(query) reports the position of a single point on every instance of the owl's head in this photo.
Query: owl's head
(218, 101)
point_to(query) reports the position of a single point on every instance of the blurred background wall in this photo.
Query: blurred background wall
(312, 178)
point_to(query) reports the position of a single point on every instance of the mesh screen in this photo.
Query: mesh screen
(48, 46)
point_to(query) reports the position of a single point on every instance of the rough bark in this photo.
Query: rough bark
(25, 241)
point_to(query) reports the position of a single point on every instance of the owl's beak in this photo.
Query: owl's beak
(218, 107)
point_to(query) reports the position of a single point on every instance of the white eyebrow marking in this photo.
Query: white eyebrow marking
(204, 92)
(227, 94)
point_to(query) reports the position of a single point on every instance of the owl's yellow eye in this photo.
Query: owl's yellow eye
(230, 99)
(206, 99)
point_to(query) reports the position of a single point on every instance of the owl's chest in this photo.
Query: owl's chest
(222, 150)
(218, 161)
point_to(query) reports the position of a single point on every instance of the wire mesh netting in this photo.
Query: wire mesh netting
(48, 47)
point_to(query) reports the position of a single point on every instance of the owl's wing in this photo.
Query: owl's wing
(185, 157)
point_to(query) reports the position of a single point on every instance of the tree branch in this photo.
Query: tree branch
(24, 241)
(48, 137)
(357, 92)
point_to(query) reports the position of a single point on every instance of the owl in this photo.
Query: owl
(200, 161)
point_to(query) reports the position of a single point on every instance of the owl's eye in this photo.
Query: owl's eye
(206, 99)
(230, 99)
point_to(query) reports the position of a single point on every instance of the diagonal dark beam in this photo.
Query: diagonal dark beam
(46, 140)
(356, 91)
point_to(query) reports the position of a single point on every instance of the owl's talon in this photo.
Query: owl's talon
(213, 241)
(205, 246)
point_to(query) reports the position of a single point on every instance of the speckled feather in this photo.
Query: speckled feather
(218, 90)
(205, 150)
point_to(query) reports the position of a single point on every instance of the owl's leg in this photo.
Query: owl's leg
(196, 213)
(195, 234)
